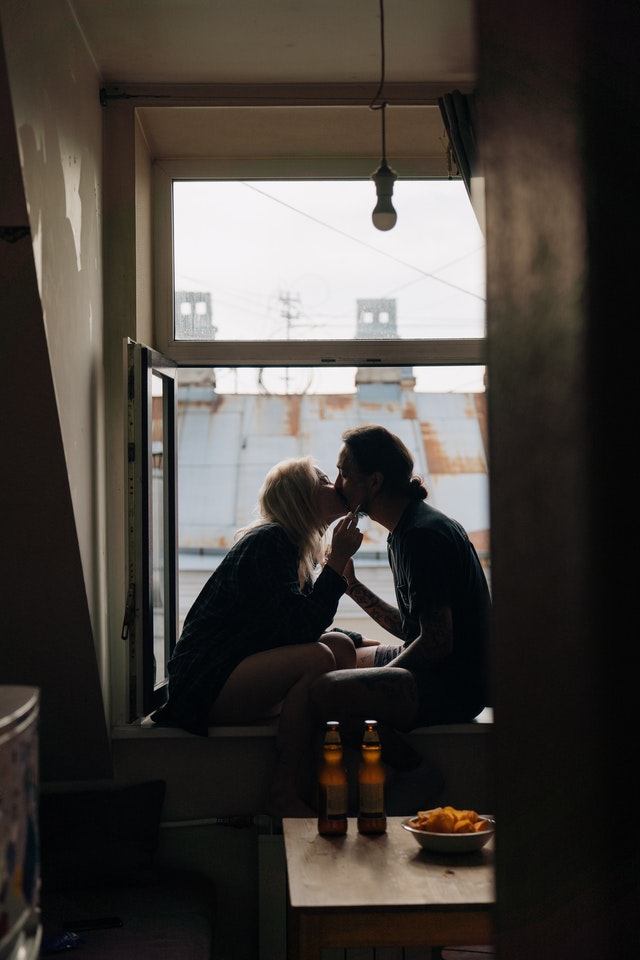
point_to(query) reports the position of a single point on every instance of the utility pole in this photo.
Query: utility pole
(290, 311)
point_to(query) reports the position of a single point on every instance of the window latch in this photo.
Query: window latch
(129, 611)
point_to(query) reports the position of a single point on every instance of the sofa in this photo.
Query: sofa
(102, 894)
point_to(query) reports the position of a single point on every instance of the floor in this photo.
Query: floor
(467, 953)
(474, 952)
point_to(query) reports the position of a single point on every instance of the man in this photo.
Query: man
(438, 672)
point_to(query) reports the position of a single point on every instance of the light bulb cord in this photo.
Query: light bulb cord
(382, 64)
(382, 105)
(378, 102)
(384, 136)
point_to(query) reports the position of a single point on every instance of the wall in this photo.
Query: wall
(127, 310)
(557, 81)
(54, 633)
(64, 393)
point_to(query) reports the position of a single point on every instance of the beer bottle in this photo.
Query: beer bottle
(371, 777)
(333, 793)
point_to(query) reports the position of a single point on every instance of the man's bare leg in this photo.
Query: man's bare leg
(386, 694)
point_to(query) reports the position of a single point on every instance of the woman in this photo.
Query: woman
(255, 638)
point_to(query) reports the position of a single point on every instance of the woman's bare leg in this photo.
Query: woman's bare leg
(282, 676)
(345, 652)
(343, 649)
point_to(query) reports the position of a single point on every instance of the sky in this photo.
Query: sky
(287, 259)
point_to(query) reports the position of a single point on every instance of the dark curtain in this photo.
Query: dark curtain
(458, 115)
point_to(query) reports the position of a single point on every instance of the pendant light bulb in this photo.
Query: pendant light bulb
(384, 216)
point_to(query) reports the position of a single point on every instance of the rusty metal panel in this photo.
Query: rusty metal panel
(226, 447)
(452, 435)
(464, 497)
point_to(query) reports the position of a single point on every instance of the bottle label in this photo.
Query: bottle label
(337, 801)
(372, 800)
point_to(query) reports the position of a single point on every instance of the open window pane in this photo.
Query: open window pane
(151, 620)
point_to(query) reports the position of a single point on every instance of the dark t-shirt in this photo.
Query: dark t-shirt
(435, 564)
(251, 602)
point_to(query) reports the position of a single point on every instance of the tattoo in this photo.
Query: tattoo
(434, 643)
(380, 611)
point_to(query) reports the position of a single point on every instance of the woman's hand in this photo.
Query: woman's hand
(349, 573)
(346, 539)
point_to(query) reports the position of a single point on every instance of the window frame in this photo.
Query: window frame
(144, 693)
(147, 690)
(275, 353)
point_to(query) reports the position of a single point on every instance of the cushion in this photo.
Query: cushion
(98, 836)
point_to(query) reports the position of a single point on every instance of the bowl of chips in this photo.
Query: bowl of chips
(449, 830)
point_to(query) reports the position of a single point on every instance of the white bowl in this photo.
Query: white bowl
(450, 842)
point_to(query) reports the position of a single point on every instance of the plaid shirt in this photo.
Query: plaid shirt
(251, 602)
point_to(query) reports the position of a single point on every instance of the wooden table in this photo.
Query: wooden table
(384, 891)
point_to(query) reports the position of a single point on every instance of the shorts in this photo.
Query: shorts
(387, 652)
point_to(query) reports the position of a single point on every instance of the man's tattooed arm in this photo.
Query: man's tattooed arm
(379, 610)
(434, 643)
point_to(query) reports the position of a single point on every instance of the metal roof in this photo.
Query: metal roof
(227, 443)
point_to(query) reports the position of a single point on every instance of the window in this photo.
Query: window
(263, 272)
(286, 317)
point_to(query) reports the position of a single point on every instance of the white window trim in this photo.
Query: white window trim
(262, 353)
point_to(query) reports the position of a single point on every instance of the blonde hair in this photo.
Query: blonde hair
(288, 497)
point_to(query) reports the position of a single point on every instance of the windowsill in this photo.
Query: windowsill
(146, 728)
(143, 729)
